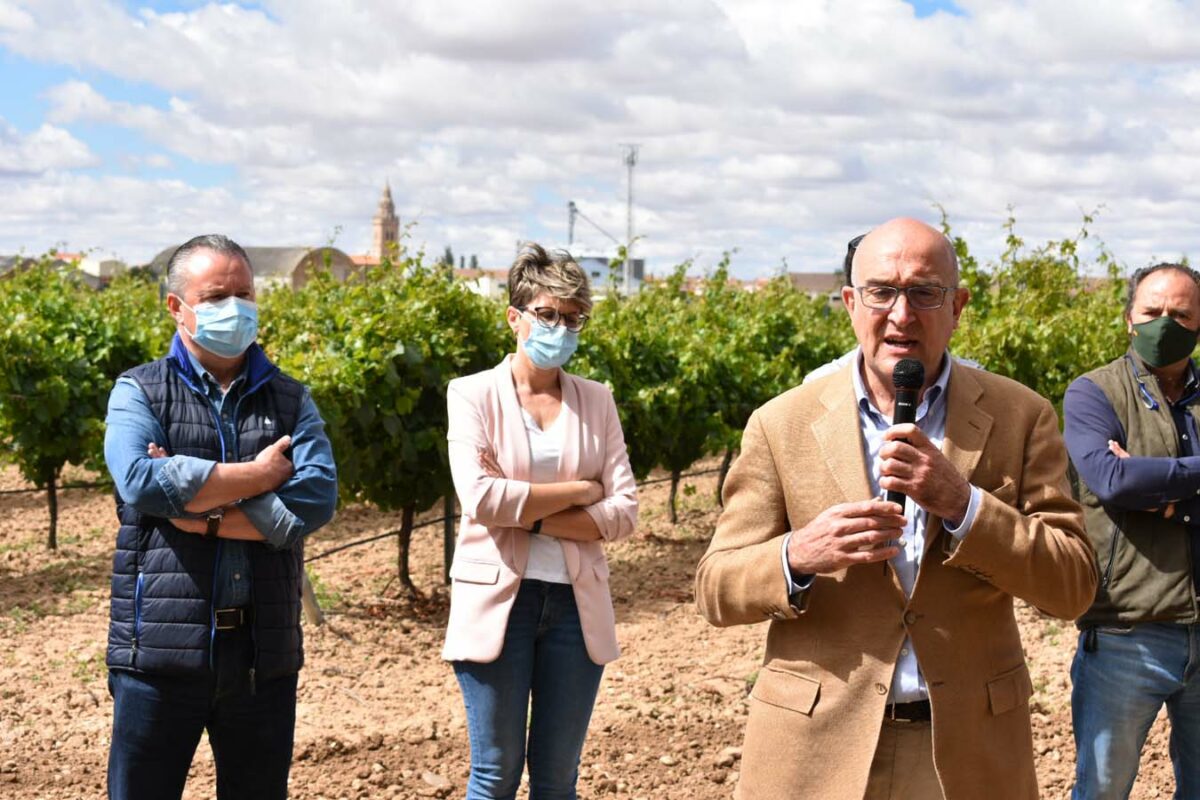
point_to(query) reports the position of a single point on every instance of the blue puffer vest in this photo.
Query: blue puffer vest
(161, 619)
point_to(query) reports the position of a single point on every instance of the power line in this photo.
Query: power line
(573, 211)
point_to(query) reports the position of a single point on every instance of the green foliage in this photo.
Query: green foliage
(377, 352)
(60, 352)
(689, 367)
(687, 362)
(1039, 319)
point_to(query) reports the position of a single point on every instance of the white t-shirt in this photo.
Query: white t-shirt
(546, 562)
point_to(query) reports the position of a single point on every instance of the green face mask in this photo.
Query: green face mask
(1162, 341)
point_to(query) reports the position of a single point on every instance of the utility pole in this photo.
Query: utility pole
(572, 210)
(631, 158)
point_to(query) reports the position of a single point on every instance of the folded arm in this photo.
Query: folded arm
(614, 515)
(1136, 483)
(281, 498)
(485, 494)
(160, 487)
(611, 512)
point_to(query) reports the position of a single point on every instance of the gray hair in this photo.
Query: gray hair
(214, 242)
(555, 273)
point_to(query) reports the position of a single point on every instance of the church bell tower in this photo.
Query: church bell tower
(385, 226)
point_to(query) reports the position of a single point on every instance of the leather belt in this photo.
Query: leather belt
(916, 711)
(228, 619)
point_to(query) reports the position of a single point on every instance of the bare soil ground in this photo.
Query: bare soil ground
(379, 713)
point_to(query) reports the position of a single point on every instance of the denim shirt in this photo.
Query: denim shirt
(164, 486)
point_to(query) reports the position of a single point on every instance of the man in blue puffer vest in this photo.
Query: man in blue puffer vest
(222, 467)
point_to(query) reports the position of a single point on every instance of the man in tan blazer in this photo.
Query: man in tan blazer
(893, 664)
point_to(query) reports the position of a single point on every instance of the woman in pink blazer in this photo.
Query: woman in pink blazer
(541, 472)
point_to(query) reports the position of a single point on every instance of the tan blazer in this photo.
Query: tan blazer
(493, 548)
(818, 703)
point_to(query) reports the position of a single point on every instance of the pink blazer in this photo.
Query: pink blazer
(492, 547)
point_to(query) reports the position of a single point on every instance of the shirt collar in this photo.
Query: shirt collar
(932, 396)
(207, 376)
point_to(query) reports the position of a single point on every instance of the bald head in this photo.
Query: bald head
(898, 257)
(902, 239)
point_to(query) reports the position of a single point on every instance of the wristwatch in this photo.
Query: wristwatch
(214, 522)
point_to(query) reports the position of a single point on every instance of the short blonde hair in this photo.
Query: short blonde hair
(536, 271)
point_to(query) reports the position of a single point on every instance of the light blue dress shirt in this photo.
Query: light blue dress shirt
(908, 684)
(162, 487)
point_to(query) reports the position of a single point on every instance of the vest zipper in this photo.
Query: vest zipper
(137, 615)
(237, 408)
(1112, 554)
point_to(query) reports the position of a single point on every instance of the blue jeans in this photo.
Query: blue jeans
(1118, 691)
(158, 719)
(543, 657)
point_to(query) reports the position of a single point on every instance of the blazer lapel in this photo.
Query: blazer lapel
(513, 450)
(569, 456)
(839, 436)
(967, 429)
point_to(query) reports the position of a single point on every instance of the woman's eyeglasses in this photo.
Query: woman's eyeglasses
(548, 317)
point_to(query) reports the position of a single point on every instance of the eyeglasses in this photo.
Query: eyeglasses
(924, 298)
(548, 317)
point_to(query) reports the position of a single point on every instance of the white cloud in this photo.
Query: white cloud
(45, 149)
(776, 127)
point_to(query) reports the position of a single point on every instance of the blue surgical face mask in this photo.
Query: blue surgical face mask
(225, 328)
(548, 348)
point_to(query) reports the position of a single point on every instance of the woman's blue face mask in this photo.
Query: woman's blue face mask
(225, 328)
(548, 348)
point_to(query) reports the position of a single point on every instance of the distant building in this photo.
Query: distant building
(814, 284)
(487, 282)
(385, 227)
(95, 272)
(598, 272)
(280, 266)
(98, 273)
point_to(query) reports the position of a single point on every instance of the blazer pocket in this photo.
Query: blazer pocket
(486, 572)
(787, 690)
(1010, 689)
(1006, 493)
(600, 569)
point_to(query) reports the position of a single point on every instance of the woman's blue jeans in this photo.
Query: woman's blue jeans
(1118, 689)
(544, 677)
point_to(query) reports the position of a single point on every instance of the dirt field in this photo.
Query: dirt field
(380, 715)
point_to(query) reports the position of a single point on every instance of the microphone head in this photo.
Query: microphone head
(909, 373)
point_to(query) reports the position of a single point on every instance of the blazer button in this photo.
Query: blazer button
(880, 688)
(910, 617)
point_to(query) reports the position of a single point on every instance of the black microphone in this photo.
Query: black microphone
(908, 377)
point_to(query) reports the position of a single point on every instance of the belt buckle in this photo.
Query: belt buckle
(911, 709)
(230, 612)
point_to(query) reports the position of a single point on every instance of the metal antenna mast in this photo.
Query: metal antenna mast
(631, 158)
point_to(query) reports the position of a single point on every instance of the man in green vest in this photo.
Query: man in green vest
(1130, 428)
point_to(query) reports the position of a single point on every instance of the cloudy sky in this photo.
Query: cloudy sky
(780, 128)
